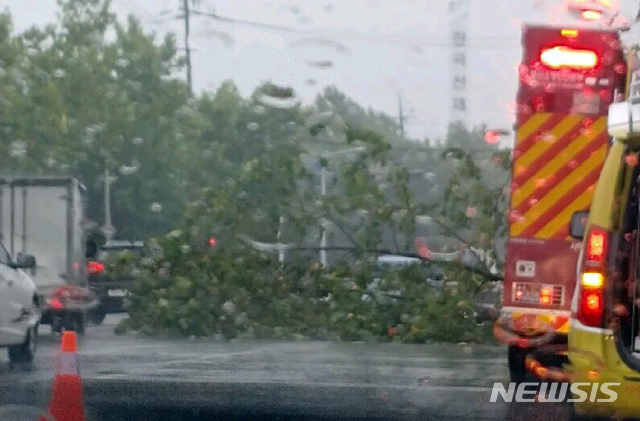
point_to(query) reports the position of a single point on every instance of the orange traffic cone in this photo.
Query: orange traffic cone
(67, 403)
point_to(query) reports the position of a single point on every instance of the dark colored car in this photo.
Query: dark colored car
(110, 288)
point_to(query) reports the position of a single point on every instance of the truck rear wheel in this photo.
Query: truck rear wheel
(517, 367)
(25, 353)
(74, 321)
(97, 316)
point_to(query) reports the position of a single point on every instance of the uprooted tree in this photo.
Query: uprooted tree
(262, 278)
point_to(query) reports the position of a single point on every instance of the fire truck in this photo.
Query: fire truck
(568, 77)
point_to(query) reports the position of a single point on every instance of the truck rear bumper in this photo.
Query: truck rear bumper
(531, 328)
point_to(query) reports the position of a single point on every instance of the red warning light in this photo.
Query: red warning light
(492, 137)
(591, 14)
(213, 242)
(559, 57)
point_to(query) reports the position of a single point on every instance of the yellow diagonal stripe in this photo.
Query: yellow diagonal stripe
(531, 125)
(559, 191)
(580, 203)
(559, 160)
(541, 146)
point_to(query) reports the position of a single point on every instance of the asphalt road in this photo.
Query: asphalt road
(134, 378)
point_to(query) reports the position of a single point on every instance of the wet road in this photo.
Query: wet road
(134, 378)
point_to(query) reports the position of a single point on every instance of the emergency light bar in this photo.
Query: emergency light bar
(560, 57)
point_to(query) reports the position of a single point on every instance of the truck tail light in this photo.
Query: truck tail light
(592, 278)
(561, 57)
(95, 268)
(546, 296)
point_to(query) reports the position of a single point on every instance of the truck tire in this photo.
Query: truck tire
(25, 353)
(74, 321)
(517, 368)
(97, 316)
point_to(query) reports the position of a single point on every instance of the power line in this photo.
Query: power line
(357, 36)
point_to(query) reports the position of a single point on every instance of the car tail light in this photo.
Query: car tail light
(561, 57)
(593, 277)
(596, 245)
(592, 280)
(591, 307)
(95, 268)
(56, 303)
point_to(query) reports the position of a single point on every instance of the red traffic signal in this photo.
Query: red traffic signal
(492, 137)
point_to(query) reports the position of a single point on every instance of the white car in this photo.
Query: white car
(19, 312)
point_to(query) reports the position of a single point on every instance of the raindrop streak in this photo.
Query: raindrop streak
(18, 149)
(320, 117)
(320, 64)
(471, 212)
(320, 42)
(130, 169)
(631, 160)
(253, 126)
(156, 207)
(282, 103)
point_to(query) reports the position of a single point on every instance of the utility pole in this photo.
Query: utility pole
(323, 238)
(401, 117)
(108, 226)
(187, 48)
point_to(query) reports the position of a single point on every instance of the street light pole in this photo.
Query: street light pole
(323, 192)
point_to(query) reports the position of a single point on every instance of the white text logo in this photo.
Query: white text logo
(554, 392)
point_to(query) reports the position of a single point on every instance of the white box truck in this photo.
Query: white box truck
(43, 217)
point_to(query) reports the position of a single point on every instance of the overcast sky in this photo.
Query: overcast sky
(377, 48)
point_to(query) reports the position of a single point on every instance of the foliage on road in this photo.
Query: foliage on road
(233, 291)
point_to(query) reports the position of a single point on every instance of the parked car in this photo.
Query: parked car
(433, 276)
(110, 288)
(19, 308)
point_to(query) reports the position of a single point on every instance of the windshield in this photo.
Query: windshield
(320, 209)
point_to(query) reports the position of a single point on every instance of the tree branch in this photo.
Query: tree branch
(478, 271)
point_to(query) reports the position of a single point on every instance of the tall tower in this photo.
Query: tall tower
(458, 12)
